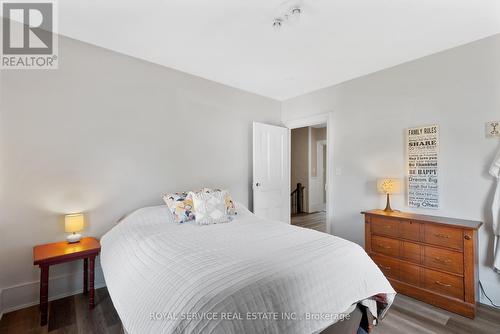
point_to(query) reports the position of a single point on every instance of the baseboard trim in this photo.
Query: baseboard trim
(24, 295)
(63, 295)
(316, 207)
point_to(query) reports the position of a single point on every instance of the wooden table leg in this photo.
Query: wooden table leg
(91, 282)
(85, 276)
(44, 294)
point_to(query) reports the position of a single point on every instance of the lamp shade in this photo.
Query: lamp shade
(73, 223)
(389, 185)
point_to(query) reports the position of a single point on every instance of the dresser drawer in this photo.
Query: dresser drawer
(445, 284)
(390, 267)
(411, 252)
(385, 246)
(383, 226)
(409, 230)
(443, 236)
(444, 259)
(409, 273)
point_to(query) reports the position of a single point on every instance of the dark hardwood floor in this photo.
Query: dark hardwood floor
(315, 221)
(406, 316)
(66, 316)
(410, 316)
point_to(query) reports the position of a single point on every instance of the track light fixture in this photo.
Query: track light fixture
(291, 14)
(295, 11)
(277, 23)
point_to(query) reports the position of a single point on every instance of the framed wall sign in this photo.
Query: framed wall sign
(493, 129)
(423, 162)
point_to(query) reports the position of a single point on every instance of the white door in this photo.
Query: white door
(271, 172)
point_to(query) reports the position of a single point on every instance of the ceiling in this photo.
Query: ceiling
(233, 42)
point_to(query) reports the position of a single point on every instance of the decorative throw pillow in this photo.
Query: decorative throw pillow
(210, 207)
(230, 207)
(181, 206)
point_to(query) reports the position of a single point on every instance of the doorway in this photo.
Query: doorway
(308, 177)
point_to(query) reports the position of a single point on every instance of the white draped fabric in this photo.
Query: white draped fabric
(495, 172)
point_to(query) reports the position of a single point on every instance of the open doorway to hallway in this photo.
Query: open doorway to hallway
(308, 177)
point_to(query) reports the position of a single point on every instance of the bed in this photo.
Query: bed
(250, 275)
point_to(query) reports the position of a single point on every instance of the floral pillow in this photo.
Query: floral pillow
(231, 208)
(181, 206)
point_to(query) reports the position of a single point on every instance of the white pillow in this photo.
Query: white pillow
(210, 207)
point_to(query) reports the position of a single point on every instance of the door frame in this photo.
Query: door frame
(310, 121)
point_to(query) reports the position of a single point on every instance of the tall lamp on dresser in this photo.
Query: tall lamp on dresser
(433, 259)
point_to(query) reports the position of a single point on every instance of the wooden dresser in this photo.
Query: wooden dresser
(433, 259)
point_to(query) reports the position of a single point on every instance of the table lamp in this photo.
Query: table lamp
(73, 223)
(389, 186)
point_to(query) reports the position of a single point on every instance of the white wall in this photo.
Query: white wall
(458, 89)
(106, 134)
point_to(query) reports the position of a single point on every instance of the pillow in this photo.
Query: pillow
(181, 206)
(230, 207)
(210, 207)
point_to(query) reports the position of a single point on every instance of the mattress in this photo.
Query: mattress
(250, 275)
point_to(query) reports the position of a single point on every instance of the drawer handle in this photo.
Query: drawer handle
(442, 284)
(441, 235)
(385, 247)
(384, 267)
(443, 261)
(387, 226)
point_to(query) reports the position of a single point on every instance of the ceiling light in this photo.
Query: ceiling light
(295, 11)
(289, 13)
(278, 23)
(294, 14)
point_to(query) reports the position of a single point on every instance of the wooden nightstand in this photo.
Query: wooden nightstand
(59, 252)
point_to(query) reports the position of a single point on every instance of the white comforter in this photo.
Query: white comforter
(246, 276)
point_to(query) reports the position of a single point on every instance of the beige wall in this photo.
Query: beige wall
(299, 161)
(107, 134)
(458, 89)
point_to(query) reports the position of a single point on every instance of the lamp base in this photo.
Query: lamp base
(388, 205)
(72, 238)
(391, 210)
